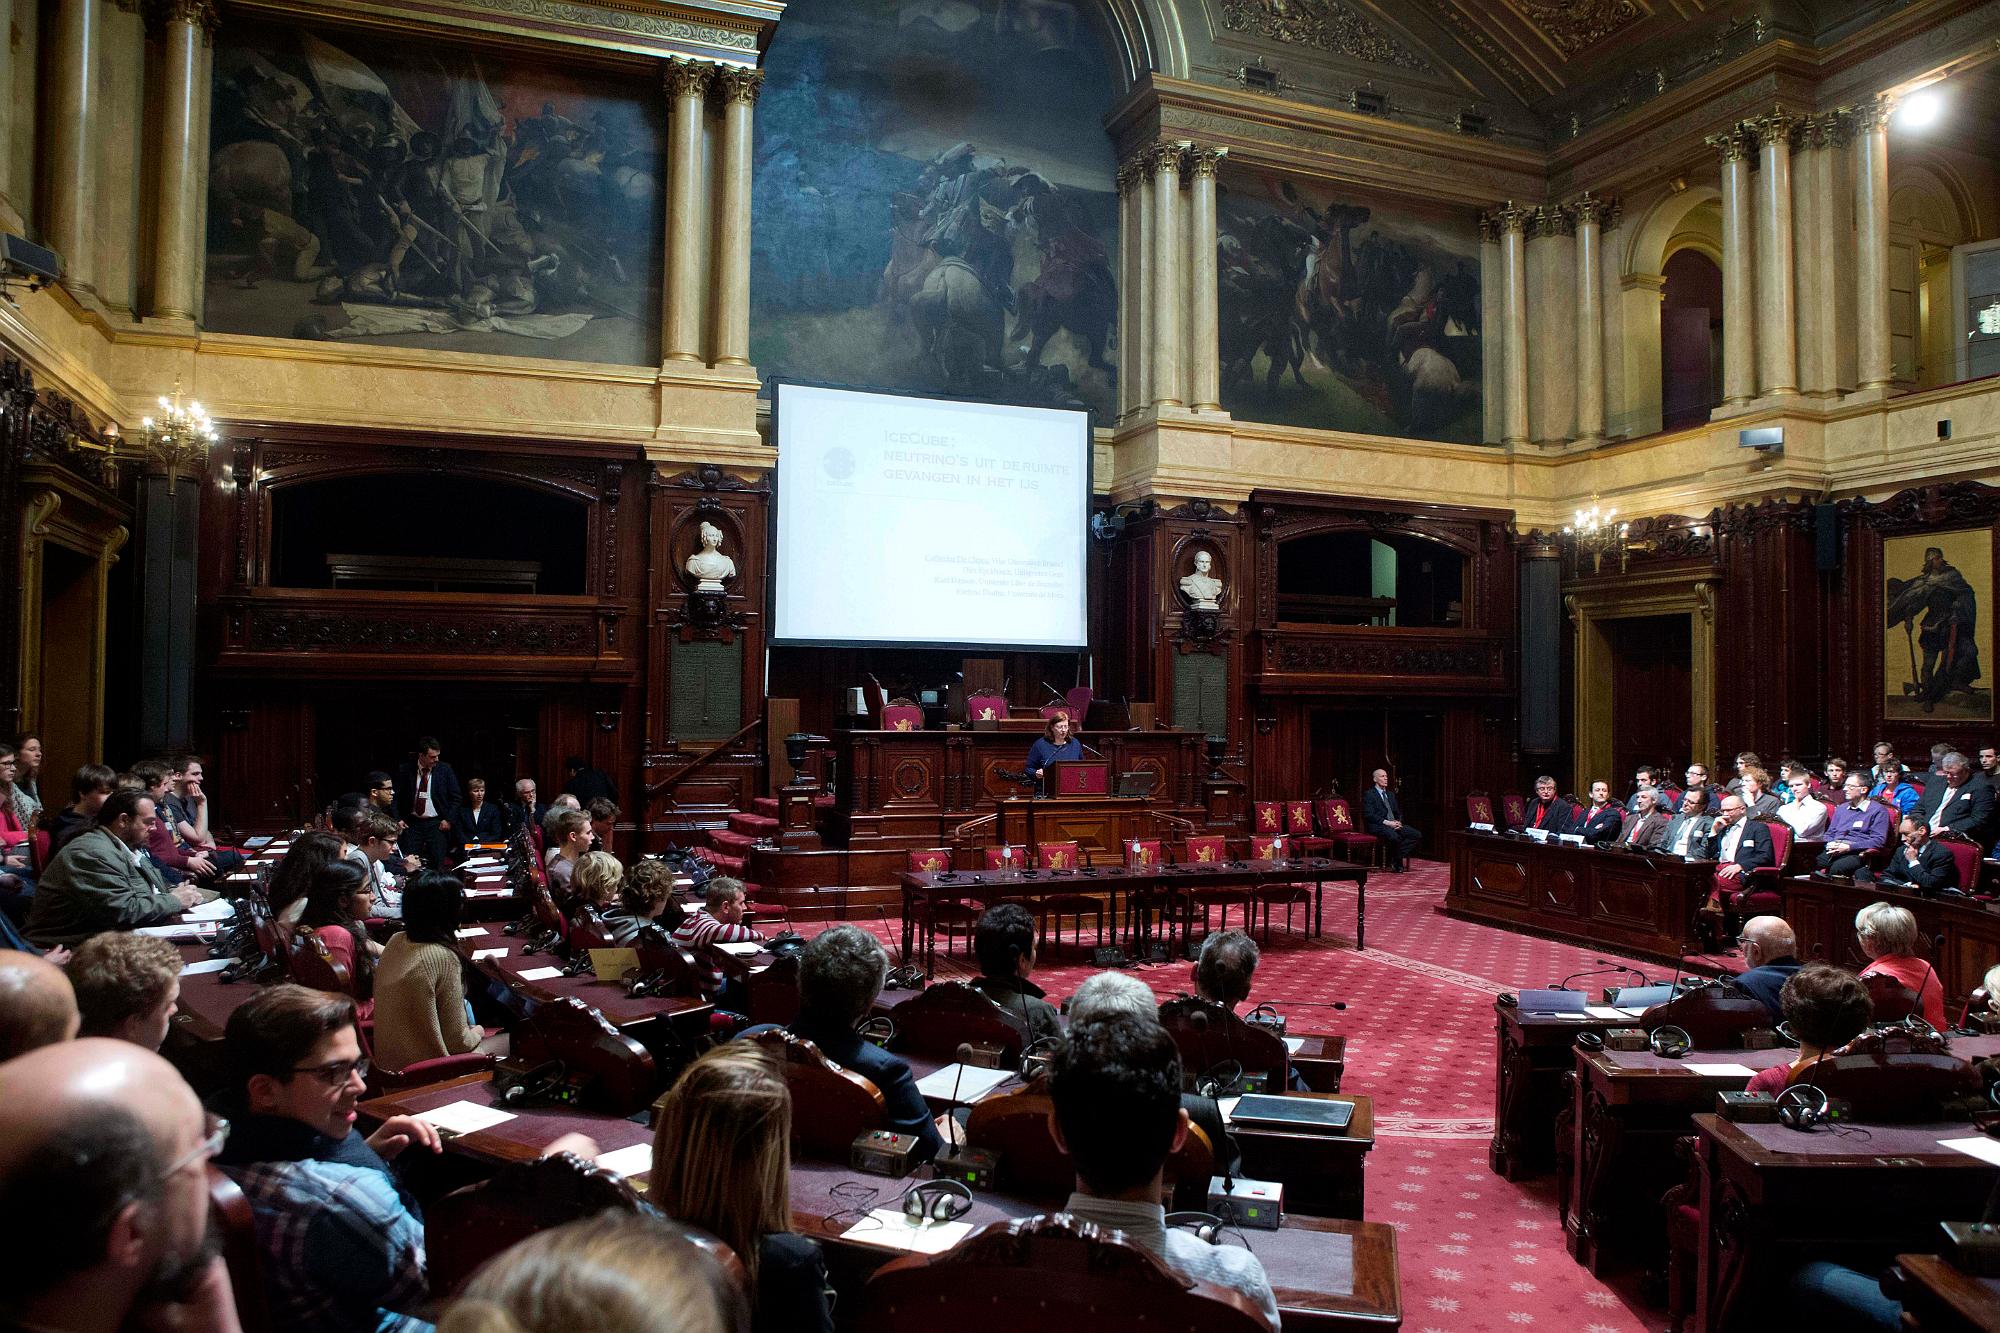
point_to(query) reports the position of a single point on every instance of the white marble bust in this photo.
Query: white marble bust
(1201, 587)
(709, 565)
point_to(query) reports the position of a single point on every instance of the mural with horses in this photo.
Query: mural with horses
(934, 205)
(425, 194)
(1347, 314)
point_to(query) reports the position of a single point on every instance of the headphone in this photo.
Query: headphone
(1804, 1106)
(1669, 1042)
(937, 1201)
(1207, 1226)
(880, 1029)
(908, 977)
(1590, 1041)
(1220, 1080)
(1040, 1046)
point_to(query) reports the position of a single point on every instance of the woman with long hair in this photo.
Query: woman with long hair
(336, 905)
(297, 870)
(420, 1008)
(722, 1162)
(28, 780)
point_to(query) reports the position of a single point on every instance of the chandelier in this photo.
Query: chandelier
(182, 434)
(1596, 533)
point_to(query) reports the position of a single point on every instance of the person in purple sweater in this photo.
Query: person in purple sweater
(1857, 825)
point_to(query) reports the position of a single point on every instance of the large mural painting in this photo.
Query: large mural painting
(422, 194)
(1347, 314)
(935, 206)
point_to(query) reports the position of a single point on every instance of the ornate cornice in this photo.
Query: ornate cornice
(1773, 128)
(687, 78)
(1871, 115)
(1511, 219)
(733, 84)
(1131, 173)
(1590, 211)
(1327, 25)
(1162, 157)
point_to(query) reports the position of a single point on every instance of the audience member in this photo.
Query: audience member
(840, 975)
(1770, 957)
(1825, 1007)
(1936, 770)
(720, 919)
(1885, 755)
(1601, 819)
(527, 811)
(1004, 943)
(1856, 825)
(1889, 938)
(1989, 763)
(569, 841)
(382, 796)
(1894, 787)
(340, 900)
(1959, 801)
(1382, 814)
(1697, 780)
(1739, 844)
(1836, 777)
(37, 1007)
(92, 783)
(17, 808)
(420, 1009)
(603, 822)
(1109, 996)
(1646, 780)
(1548, 812)
(103, 880)
(127, 986)
(28, 769)
(645, 898)
(1647, 826)
(479, 820)
(613, 1273)
(1116, 1090)
(1225, 967)
(188, 803)
(103, 1168)
(595, 882)
(174, 861)
(371, 848)
(1745, 761)
(1687, 832)
(343, 1247)
(587, 784)
(292, 878)
(722, 1162)
(1754, 788)
(1803, 812)
(428, 798)
(1921, 865)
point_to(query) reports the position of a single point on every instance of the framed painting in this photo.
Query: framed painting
(1937, 638)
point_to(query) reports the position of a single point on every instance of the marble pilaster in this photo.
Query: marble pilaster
(738, 89)
(1777, 303)
(183, 145)
(1513, 223)
(1203, 352)
(1873, 369)
(70, 183)
(1739, 295)
(687, 83)
(1169, 300)
(1589, 214)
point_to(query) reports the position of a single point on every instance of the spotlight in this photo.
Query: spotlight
(1920, 110)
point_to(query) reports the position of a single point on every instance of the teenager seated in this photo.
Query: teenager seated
(1826, 1007)
(420, 1008)
(1004, 943)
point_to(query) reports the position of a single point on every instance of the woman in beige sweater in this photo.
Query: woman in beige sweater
(420, 1009)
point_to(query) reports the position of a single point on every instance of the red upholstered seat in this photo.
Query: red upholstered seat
(986, 708)
(1056, 906)
(1479, 808)
(1206, 850)
(1078, 700)
(1057, 856)
(1050, 712)
(1760, 894)
(1006, 857)
(1196, 851)
(951, 913)
(38, 849)
(1270, 849)
(1516, 808)
(1141, 853)
(1966, 853)
(930, 860)
(1336, 821)
(902, 717)
(1268, 896)
(1270, 817)
(1299, 827)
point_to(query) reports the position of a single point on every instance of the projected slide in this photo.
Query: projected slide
(917, 521)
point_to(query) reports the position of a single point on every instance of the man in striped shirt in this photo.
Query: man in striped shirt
(719, 920)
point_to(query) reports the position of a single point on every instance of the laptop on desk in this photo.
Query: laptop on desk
(1303, 1115)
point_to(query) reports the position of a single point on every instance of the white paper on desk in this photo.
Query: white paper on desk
(1610, 1013)
(206, 965)
(1721, 1070)
(1292, 1045)
(478, 954)
(254, 843)
(219, 910)
(971, 1082)
(539, 973)
(184, 930)
(497, 891)
(892, 1227)
(633, 1161)
(746, 949)
(1985, 1149)
(467, 932)
(465, 1117)
(242, 876)
(1227, 1106)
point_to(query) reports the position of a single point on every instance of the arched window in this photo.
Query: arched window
(1361, 578)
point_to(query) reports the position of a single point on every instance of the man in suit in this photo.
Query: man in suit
(1961, 802)
(1741, 844)
(1601, 820)
(1687, 833)
(527, 808)
(1921, 865)
(480, 820)
(103, 880)
(1548, 812)
(1770, 957)
(1697, 780)
(1383, 814)
(427, 800)
(588, 784)
(1646, 828)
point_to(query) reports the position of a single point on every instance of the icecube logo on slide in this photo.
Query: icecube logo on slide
(838, 463)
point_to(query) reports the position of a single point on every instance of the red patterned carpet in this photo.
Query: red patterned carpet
(1478, 1254)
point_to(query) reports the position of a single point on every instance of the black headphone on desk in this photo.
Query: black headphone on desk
(1590, 1041)
(1207, 1226)
(937, 1201)
(1805, 1106)
(880, 1029)
(1669, 1042)
(1224, 1079)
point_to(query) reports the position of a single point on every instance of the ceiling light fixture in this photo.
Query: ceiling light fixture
(1920, 110)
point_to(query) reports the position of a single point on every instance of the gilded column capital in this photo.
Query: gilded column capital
(200, 13)
(1551, 220)
(1130, 172)
(734, 83)
(1161, 157)
(1202, 161)
(1734, 144)
(1510, 220)
(687, 78)
(1871, 115)
(1775, 127)
(1489, 227)
(1590, 211)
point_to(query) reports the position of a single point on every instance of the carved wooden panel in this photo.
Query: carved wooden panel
(1632, 900)
(1559, 890)
(1496, 877)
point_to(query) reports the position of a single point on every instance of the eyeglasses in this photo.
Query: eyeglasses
(337, 1072)
(211, 1144)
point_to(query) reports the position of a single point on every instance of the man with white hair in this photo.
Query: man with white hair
(1962, 802)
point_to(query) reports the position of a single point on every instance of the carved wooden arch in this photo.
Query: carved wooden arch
(1277, 527)
(569, 484)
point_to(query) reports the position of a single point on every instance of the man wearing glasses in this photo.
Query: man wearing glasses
(343, 1246)
(103, 1157)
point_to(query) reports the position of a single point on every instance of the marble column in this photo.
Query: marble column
(1777, 298)
(1492, 353)
(1168, 297)
(1135, 300)
(121, 124)
(177, 229)
(1611, 331)
(67, 167)
(1589, 213)
(1873, 369)
(1513, 224)
(687, 86)
(1824, 254)
(1739, 326)
(738, 88)
(1203, 352)
(1551, 255)
(10, 212)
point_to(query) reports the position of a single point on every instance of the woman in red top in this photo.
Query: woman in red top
(338, 902)
(1825, 1007)
(1889, 936)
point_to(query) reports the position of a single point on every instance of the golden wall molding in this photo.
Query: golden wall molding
(732, 32)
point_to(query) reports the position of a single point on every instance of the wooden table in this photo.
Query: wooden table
(1175, 882)
(1938, 1298)
(1534, 1054)
(1821, 912)
(1324, 1175)
(1641, 904)
(1770, 1196)
(1297, 1258)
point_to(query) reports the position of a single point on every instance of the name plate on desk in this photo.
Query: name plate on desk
(1480, 828)
(1538, 834)
(1573, 839)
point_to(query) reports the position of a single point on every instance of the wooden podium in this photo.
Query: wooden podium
(1079, 777)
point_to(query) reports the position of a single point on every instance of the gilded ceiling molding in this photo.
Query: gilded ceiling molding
(647, 28)
(1471, 34)
(1573, 25)
(1328, 25)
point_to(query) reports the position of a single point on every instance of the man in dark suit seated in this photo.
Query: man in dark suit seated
(528, 809)
(427, 800)
(840, 974)
(1921, 865)
(1687, 832)
(1770, 955)
(1646, 827)
(1601, 819)
(1548, 812)
(1741, 844)
(1382, 813)
(1961, 801)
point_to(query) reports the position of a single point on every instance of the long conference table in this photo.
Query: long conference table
(1173, 883)
(1640, 903)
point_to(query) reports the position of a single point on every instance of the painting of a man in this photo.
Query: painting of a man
(1932, 660)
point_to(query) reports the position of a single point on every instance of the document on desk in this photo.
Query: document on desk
(746, 949)
(891, 1227)
(1985, 1149)
(180, 930)
(219, 910)
(478, 954)
(465, 1117)
(539, 973)
(206, 965)
(633, 1161)
(961, 1085)
(467, 932)
(1721, 1070)
(1610, 1013)
(1292, 1045)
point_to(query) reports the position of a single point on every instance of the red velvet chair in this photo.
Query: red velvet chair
(38, 850)
(1336, 821)
(1299, 828)
(1270, 849)
(1479, 808)
(1142, 854)
(986, 708)
(1965, 852)
(1058, 856)
(1270, 817)
(1268, 896)
(1144, 903)
(1056, 906)
(952, 913)
(1050, 712)
(1516, 808)
(1006, 857)
(1078, 700)
(1203, 851)
(902, 717)
(1761, 893)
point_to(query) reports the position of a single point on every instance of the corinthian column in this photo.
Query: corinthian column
(1204, 377)
(1739, 327)
(1492, 357)
(738, 88)
(1168, 296)
(1777, 297)
(177, 238)
(1874, 370)
(1134, 228)
(68, 171)
(1590, 214)
(10, 212)
(1513, 224)
(687, 85)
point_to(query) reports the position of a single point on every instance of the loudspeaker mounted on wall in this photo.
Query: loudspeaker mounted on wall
(1826, 538)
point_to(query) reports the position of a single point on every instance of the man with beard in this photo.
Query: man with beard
(103, 1156)
(1950, 616)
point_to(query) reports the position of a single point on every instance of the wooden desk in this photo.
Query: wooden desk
(1321, 1060)
(1324, 1175)
(650, 1020)
(1641, 904)
(1534, 1054)
(1937, 1298)
(1298, 1259)
(1821, 912)
(1769, 1196)
(1628, 1108)
(1100, 824)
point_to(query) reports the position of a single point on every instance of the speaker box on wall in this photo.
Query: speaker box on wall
(1826, 538)
(1541, 655)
